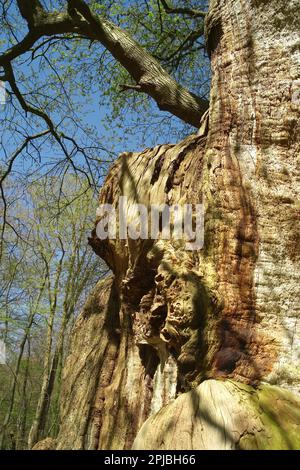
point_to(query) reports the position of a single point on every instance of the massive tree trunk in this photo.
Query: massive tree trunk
(218, 327)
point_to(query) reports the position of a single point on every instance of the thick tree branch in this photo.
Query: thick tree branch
(148, 74)
(48, 24)
(30, 10)
(183, 11)
(150, 77)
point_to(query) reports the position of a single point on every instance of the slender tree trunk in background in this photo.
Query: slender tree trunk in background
(50, 387)
(55, 370)
(16, 371)
(76, 280)
(35, 431)
(225, 317)
(37, 426)
(15, 383)
(21, 440)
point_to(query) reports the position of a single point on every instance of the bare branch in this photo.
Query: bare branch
(5, 175)
(38, 112)
(183, 11)
(186, 45)
(20, 150)
(125, 87)
(48, 24)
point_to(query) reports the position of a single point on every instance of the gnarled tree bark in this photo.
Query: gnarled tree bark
(226, 316)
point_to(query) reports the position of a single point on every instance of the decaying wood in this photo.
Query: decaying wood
(226, 316)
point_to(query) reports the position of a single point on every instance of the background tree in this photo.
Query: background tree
(46, 271)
